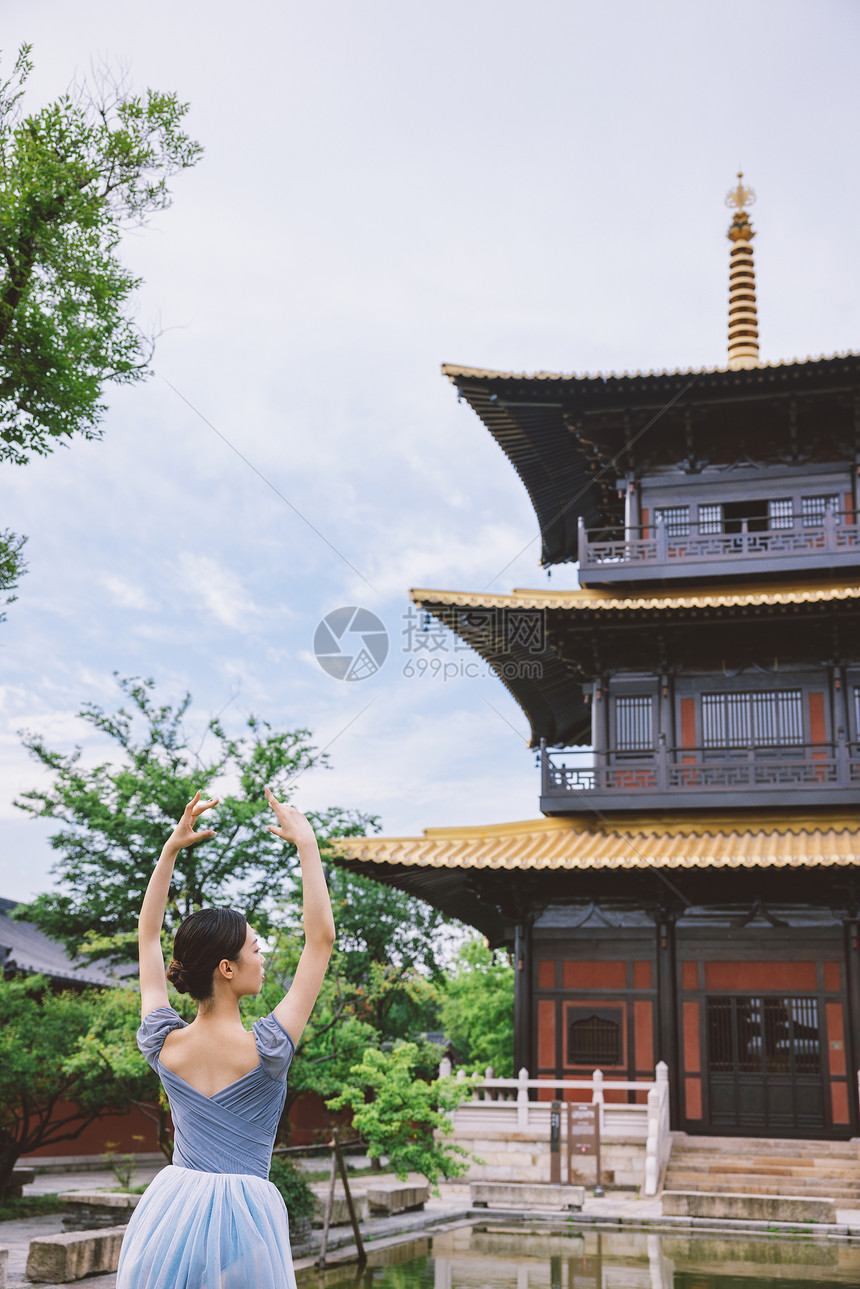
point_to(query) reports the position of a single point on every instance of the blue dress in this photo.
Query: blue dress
(212, 1219)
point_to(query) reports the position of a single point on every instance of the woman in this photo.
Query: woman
(212, 1219)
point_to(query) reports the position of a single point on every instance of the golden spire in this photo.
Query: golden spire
(743, 318)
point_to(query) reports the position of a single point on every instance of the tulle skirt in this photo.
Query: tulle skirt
(207, 1231)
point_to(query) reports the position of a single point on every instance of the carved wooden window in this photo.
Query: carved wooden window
(750, 1035)
(676, 519)
(594, 1038)
(711, 519)
(814, 509)
(752, 719)
(780, 513)
(634, 723)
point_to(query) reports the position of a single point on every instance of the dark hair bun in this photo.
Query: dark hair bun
(202, 941)
(178, 977)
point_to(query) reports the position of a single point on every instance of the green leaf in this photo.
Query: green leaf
(404, 1116)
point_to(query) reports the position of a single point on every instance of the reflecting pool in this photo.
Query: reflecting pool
(496, 1255)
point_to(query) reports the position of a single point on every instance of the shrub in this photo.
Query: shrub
(294, 1188)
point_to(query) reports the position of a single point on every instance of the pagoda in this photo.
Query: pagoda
(691, 891)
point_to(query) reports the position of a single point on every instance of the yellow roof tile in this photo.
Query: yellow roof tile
(580, 842)
(453, 370)
(583, 598)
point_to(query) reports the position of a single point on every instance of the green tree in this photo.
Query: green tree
(12, 566)
(73, 176)
(116, 815)
(110, 1045)
(390, 949)
(478, 1008)
(76, 173)
(47, 1094)
(378, 923)
(404, 1116)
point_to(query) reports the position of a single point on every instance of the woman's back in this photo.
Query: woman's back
(210, 1056)
(230, 1129)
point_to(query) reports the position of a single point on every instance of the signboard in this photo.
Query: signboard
(581, 1128)
(583, 1139)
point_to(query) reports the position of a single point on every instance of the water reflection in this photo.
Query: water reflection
(500, 1256)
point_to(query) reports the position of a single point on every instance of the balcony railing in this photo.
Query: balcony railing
(661, 550)
(802, 774)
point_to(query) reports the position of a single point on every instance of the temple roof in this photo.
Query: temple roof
(588, 841)
(543, 645)
(571, 437)
(24, 948)
(482, 874)
(453, 370)
(589, 599)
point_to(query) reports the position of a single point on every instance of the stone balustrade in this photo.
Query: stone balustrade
(509, 1133)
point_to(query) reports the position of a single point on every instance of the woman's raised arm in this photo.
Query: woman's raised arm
(295, 1007)
(153, 985)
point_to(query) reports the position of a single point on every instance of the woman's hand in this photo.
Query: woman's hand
(184, 833)
(292, 825)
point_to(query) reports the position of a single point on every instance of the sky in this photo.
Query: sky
(387, 187)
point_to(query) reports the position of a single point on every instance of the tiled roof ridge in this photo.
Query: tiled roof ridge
(452, 370)
(638, 826)
(585, 598)
(621, 848)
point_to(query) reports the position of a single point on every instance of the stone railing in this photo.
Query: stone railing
(505, 1106)
(658, 1146)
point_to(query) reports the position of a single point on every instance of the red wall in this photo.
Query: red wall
(580, 985)
(564, 986)
(121, 1129)
(310, 1122)
(744, 977)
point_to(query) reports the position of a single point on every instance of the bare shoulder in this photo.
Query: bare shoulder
(194, 1038)
(210, 1059)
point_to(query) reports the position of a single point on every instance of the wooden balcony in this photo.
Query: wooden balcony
(678, 777)
(656, 552)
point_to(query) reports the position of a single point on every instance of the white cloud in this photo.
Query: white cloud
(203, 581)
(128, 595)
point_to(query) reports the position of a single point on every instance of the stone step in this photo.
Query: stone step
(760, 1166)
(761, 1207)
(848, 1177)
(768, 1146)
(784, 1168)
(782, 1159)
(696, 1158)
(844, 1200)
(755, 1184)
